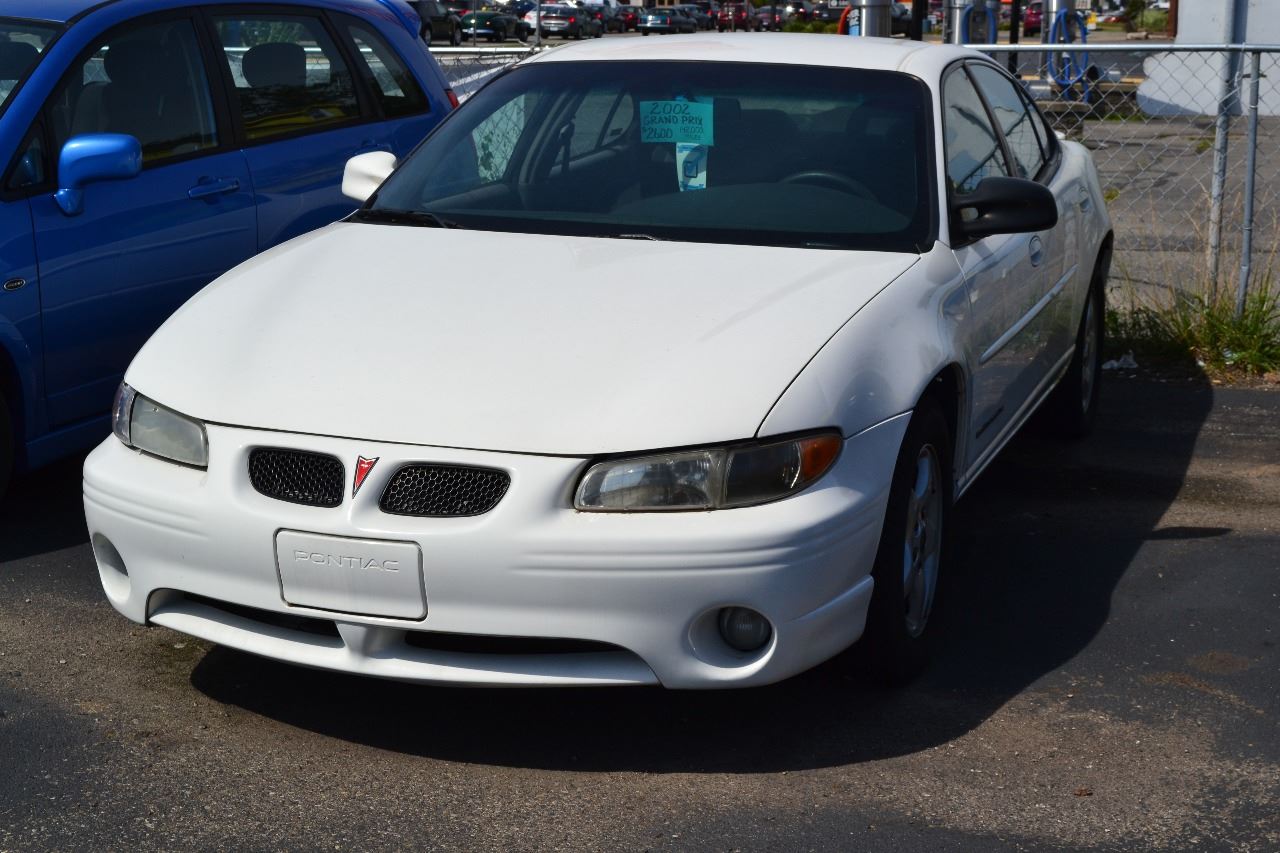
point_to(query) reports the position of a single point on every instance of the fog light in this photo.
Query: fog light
(744, 629)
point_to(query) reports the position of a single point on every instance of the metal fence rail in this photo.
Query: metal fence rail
(1186, 139)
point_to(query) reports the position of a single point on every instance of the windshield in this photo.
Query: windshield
(682, 151)
(22, 43)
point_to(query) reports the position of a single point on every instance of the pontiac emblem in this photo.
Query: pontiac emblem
(363, 467)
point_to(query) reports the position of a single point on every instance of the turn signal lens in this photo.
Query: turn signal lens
(713, 478)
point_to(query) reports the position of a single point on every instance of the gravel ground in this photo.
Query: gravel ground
(1109, 681)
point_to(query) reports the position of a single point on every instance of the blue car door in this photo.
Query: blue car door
(111, 274)
(310, 91)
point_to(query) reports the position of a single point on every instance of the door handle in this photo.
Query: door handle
(1035, 249)
(216, 186)
(1086, 201)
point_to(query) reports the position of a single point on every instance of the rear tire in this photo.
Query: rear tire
(455, 38)
(1071, 408)
(912, 551)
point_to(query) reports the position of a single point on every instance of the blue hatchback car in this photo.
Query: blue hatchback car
(149, 145)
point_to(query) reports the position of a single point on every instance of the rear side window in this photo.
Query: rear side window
(972, 146)
(148, 82)
(288, 74)
(1015, 118)
(392, 83)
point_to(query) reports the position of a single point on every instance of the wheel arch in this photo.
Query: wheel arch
(948, 388)
(905, 342)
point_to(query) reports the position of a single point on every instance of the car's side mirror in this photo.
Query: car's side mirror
(92, 158)
(1003, 206)
(364, 173)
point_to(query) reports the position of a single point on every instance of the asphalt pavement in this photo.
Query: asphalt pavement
(1108, 681)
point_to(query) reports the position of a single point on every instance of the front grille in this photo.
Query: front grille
(296, 476)
(443, 491)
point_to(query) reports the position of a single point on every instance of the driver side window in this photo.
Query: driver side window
(972, 146)
(148, 82)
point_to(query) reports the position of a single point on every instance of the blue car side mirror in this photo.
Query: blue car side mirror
(95, 157)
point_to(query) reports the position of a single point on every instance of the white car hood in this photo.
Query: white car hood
(512, 342)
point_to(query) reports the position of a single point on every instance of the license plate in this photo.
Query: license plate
(365, 577)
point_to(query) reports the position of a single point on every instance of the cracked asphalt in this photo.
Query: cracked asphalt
(1108, 680)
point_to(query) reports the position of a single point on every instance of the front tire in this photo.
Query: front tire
(455, 38)
(912, 549)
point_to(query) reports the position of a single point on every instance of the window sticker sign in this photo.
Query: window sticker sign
(691, 166)
(676, 121)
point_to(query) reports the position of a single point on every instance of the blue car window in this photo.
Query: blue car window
(288, 74)
(148, 82)
(29, 171)
(397, 92)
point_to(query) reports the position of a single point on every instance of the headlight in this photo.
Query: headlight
(711, 478)
(150, 427)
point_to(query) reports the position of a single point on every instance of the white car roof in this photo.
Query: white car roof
(925, 61)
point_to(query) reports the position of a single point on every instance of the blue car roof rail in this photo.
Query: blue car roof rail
(403, 13)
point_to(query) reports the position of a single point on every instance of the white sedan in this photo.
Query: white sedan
(783, 301)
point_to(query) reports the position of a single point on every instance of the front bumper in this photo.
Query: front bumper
(173, 542)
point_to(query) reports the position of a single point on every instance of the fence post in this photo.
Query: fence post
(1251, 157)
(1219, 169)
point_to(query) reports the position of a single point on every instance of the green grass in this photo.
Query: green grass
(1203, 330)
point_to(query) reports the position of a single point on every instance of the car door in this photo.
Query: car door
(110, 275)
(303, 111)
(1004, 273)
(1049, 329)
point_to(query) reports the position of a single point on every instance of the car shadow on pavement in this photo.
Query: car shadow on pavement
(43, 512)
(1041, 542)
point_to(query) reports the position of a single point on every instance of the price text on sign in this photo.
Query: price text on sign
(676, 121)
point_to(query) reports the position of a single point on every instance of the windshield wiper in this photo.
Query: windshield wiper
(635, 237)
(388, 216)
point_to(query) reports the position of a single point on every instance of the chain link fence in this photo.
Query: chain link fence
(1187, 144)
(1186, 140)
(469, 68)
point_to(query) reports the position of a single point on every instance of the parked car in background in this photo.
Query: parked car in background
(827, 14)
(494, 26)
(1033, 18)
(630, 17)
(566, 22)
(701, 19)
(149, 145)
(736, 16)
(608, 17)
(771, 17)
(798, 10)
(440, 25)
(666, 19)
(890, 264)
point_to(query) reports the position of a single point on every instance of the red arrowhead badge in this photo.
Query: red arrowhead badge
(363, 467)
